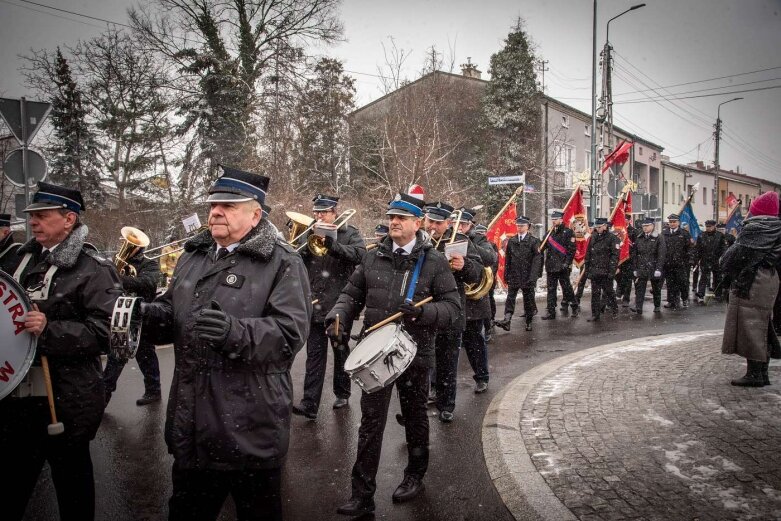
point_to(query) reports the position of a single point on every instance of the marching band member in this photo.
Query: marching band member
(379, 284)
(522, 268)
(648, 253)
(327, 276)
(7, 244)
(74, 290)
(600, 266)
(677, 262)
(559, 252)
(238, 310)
(467, 270)
(477, 311)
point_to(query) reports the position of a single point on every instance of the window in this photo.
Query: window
(565, 121)
(704, 195)
(640, 150)
(588, 130)
(723, 198)
(666, 200)
(587, 165)
(564, 157)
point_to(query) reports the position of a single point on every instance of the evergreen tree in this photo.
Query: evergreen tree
(73, 153)
(323, 137)
(511, 109)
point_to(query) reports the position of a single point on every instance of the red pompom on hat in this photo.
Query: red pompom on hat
(765, 204)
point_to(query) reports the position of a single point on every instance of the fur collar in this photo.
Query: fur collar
(66, 253)
(258, 243)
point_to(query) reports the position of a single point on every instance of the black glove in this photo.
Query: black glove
(212, 326)
(331, 332)
(333, 246)
(410, 311)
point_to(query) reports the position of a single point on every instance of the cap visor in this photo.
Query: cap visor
(35, 207)
(434, 217)
(398, 211)
(225, 197)
(322, 208)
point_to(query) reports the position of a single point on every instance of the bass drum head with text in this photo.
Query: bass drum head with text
(17, 347)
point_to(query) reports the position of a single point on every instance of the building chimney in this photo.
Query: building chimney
(469, 69)
(700, 165)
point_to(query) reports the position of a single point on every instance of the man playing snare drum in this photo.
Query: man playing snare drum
(380, 284)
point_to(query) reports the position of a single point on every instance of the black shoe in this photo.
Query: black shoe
(504, 324)
(357, 507)
(148, 398)
(657, 309)
(549, 316)
(444, 417)
(594, 318)
(575, 311)
(528, 326)
(340, 402)
(639, 311)
(481, 387)
(409, 488)
(685, 303)
(300, 410)
(400, 419)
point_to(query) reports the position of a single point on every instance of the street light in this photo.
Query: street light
(716, 158)
(593, 188)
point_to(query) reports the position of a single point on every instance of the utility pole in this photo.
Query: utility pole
(717, 135)
(593, 180)
(541, 66)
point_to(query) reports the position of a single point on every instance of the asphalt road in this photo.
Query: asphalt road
(132, 467)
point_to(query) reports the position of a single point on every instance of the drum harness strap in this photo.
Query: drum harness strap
(388, 361)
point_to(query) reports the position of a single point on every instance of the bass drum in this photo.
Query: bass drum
(380, 358)
(17, 347)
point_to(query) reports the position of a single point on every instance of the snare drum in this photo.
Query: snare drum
(380, 358)
(125, 327)
(17, 347)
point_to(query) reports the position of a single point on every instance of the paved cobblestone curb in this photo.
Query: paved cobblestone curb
(617, 432)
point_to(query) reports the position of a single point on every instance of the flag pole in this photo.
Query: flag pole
(550, 230)
(512, 198)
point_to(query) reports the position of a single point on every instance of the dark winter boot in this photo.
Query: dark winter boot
(575, 310)
(504, 324)
(551, 315)
(753, 377)
(765, 375)
(528, 324)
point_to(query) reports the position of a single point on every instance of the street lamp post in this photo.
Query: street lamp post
(594, 178)
(716, 158)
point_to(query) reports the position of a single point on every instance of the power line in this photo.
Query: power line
(51, 14)
(705, 80)
(724, 87)
(743, 91)
(74, 13)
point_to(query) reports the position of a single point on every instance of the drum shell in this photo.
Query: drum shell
(388, 361)
(17, 350)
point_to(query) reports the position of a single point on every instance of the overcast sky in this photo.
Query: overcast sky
(668, 42)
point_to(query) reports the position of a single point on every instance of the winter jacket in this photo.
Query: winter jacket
(78, 312)
(678, 248)
(481, 309)
(144, 284)
(709, 248)
(471, 273)
(560, 249)
(602, 255)
(229, 407)
(379, 285)
(328, 274)
(8, 246)
(648, 254)
(523, 261)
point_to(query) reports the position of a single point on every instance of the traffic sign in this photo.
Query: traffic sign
(35, 114)
(36, 167)
(507, 180)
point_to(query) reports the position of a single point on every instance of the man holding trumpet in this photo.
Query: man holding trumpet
(379, 284)
(73, 291)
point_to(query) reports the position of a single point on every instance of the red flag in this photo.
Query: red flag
(618, 156)
(499, 232)
(574, 208)
(731, 200)
(582, 245)
(575, 218)
(619, 227)
(628, 203)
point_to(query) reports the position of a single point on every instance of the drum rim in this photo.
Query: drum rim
(398, 329)
(32, 346)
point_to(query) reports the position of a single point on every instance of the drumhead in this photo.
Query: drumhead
(371, 347)
(17, 348)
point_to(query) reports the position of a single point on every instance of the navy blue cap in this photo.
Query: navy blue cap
(557, 214)
(405, 205)
(5, 220)
(599, 221)
(522, 219)
(721, 226)
(648, 220)
(481, 229)
(467, 214)
(381, 229)
(53, 197)
(673, 217)
(324, 202)
(710, 222)
(438, 211)
(237, 186)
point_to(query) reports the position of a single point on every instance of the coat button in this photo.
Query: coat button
(197, 294)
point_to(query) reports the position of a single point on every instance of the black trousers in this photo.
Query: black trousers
(146, 357)
(529, 306)
(411, 386)
(656, 290)
(445, 376)
(708, 279)
(677, 284)
(602, 293)
(476, 349)
(198, 494)
(581, 288)
(624, 282)
(26, 446)
(559, 278)
(316, 360)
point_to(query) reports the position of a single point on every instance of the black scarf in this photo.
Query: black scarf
(758, 245)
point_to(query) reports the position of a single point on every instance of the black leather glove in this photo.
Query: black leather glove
(334, 248)
(410, 311)
(212, 326)
(331, 332)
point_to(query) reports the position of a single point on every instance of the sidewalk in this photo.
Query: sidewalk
(647, 428)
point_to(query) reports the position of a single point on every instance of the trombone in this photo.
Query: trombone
(178, 241)
(316, 243)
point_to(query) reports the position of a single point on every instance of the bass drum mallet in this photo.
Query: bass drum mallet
(54, 427)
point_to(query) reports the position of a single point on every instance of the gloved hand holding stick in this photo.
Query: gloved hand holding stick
(396, 316)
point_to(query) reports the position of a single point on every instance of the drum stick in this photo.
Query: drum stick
(396, 315)
(336, 328)
(55, 427)
(315, 301)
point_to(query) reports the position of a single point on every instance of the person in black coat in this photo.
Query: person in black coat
(7, 245)
(600, 265)
(624, 276)
(677, 262)
(144, 285)
(74, 290)
(559, 251)
(522, 268)
(708, 250)
(378, 286)
(489, 322)
(327, 276)
(648, 254)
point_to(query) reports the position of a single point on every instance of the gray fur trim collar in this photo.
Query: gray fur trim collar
(66, 253)
(258, 243)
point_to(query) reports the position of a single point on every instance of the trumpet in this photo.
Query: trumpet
(133, 240)
(316, 243)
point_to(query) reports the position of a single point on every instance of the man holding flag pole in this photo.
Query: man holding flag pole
(678, 257)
